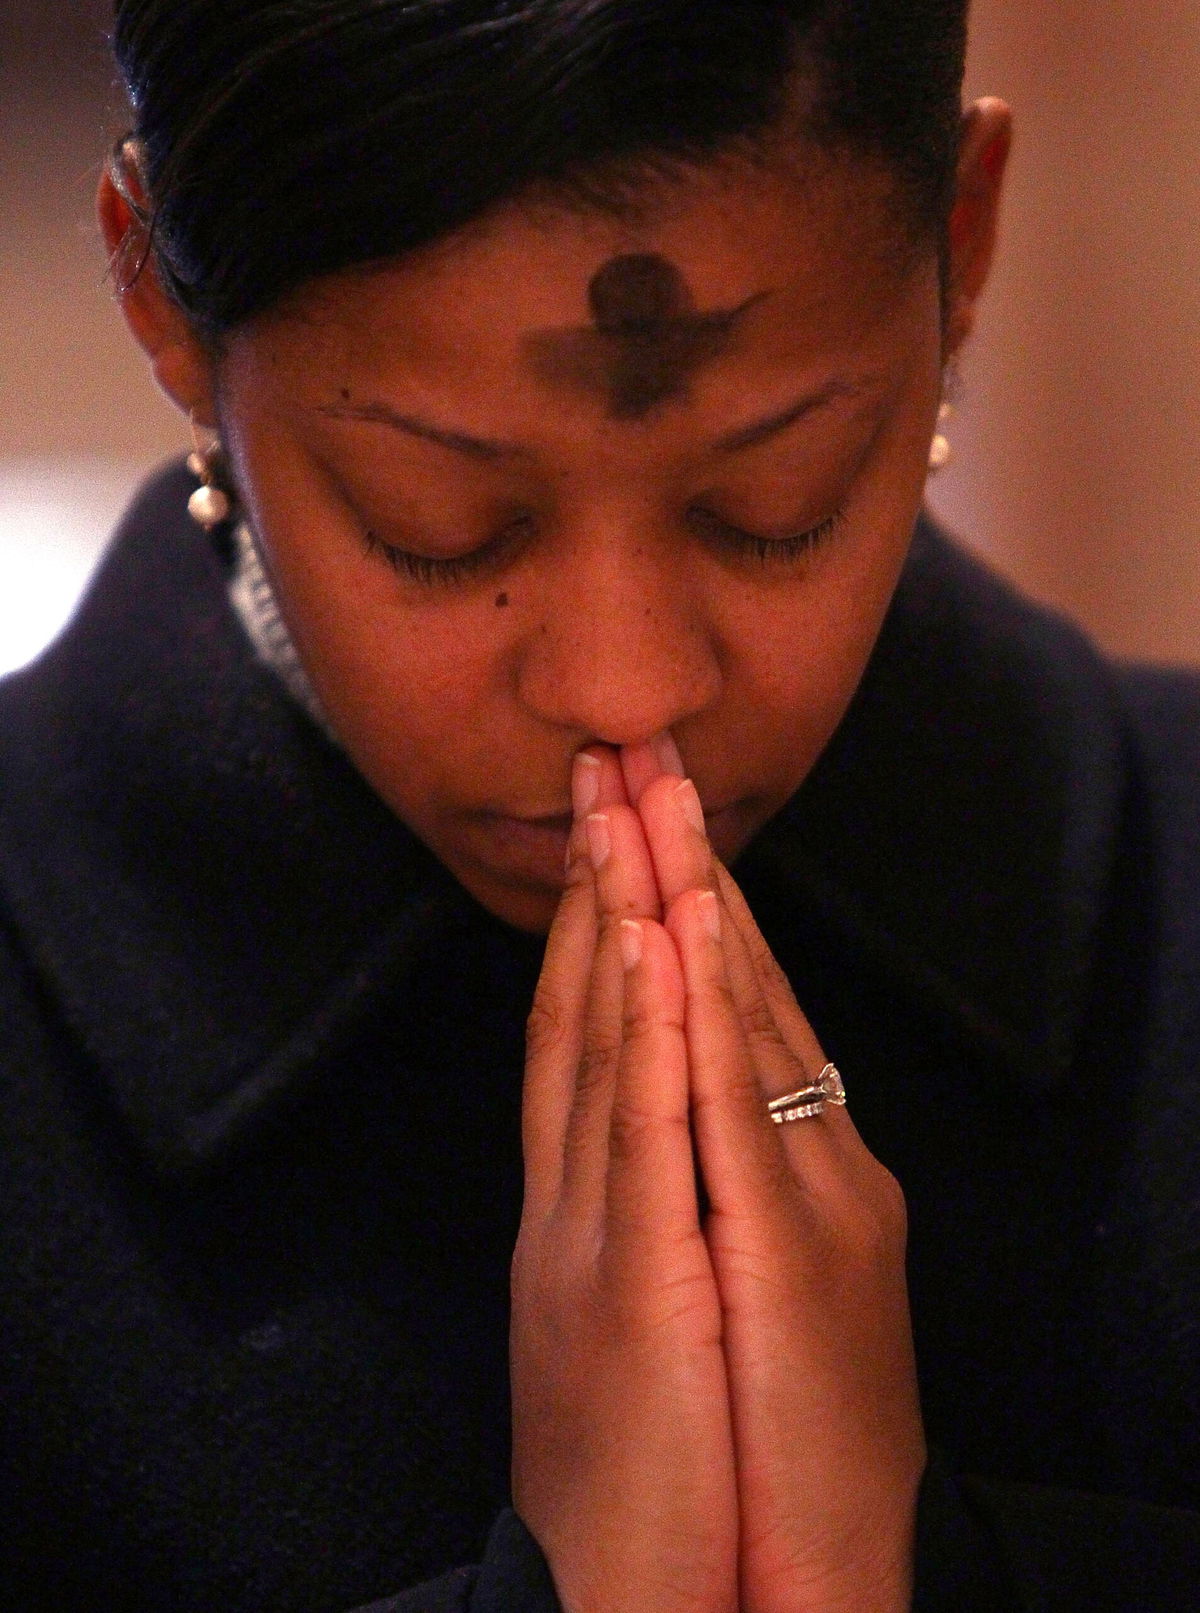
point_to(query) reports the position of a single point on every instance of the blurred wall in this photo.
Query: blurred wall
(1079, 437)
(1076, 466)
(70, 382)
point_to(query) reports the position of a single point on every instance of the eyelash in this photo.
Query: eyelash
(768, 551)
(431, 571)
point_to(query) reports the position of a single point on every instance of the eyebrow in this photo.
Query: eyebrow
(461, 442)
(762, 430)
(491, 451)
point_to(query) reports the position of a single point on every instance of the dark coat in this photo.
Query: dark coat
(260, 1069)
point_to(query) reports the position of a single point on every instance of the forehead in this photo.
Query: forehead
(810, 254)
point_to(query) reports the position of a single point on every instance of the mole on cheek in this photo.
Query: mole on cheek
(345, 394)
(501, 601)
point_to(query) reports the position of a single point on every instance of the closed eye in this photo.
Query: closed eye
(432, 570)
(725, 534)
(448, 569)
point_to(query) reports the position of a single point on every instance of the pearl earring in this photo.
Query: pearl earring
(940, 451)
(212, 502)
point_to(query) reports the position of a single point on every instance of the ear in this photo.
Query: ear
(181, 364)
(982, 163)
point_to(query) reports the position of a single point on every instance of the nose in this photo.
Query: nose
(623, 648)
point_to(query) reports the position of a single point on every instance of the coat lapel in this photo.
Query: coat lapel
(209, 891)
(959, 833)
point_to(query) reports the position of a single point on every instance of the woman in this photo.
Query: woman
(570, 371)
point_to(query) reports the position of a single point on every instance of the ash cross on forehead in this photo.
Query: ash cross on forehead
(648, 340)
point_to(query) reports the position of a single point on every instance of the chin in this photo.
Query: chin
(531, 910)
(526, 903)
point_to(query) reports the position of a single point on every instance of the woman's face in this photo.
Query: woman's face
(566, 480)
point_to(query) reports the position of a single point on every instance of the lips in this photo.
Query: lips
(529, 848)
(551, 820)
(561, 822)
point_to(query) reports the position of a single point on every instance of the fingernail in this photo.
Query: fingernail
(666, 753)
(585, 783)
(689, 805)
(710, 913)
(599, 839)
(631, 943)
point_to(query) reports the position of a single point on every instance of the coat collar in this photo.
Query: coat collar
(214, 898)
(959, 833)
(210, 892)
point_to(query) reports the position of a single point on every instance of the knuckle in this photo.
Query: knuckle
(524, 1260)
(859, 1219)
(550, 1263)
(893, 1206)
(770, 970)
(880, 1222)
(546, 1026)
(715, 986)
(761, 1025)
(636, 1039)
(578, 875)
(597, 1061)
(630, 1133)
(635, 1132)
(529, 1283)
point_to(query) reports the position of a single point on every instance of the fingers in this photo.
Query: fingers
(620, 861)
(684, 861)
(597, 782)
(642, 764)
(770, 980)
(740, 1150)
(674, 820)
(766, 1022)
(624, 888)
(651, 1188)
(553, 1035)
(555, 1026)
(607, 1077)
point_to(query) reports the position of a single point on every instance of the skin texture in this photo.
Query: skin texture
(401, 403)
(647, 342)
(714, 1397)
(768, 1454)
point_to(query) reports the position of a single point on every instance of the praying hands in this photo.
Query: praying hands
(715, 1402)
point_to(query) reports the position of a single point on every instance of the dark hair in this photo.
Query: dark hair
(285, 139)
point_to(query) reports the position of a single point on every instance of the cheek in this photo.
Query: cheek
(411, 691)
(797, 659)
(414, 690)
(413, 695)
(810, 659)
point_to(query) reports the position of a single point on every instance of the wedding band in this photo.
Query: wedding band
(809, 1101)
